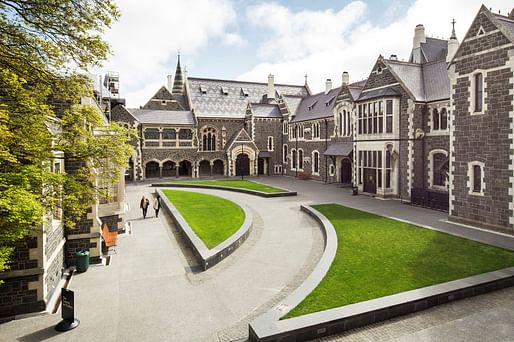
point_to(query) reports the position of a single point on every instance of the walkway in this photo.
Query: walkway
(152, 291)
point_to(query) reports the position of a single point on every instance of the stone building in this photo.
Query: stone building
(482, 125)
(36, 271)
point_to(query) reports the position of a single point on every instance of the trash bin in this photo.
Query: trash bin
(82, 261)
(355, 190)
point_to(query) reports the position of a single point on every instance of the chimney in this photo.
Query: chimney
(271, 87)
(169, 78)
(328, 85)
(346, 78)
(393, 57)
(419, 36)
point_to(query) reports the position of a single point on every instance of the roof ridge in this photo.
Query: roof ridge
(245, 82)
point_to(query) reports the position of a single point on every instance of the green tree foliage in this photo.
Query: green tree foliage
(40, 113)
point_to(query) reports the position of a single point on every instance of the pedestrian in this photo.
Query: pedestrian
(144, 204)
(157, 205)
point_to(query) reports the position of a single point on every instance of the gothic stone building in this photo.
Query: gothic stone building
(435, 130)
(482, 125)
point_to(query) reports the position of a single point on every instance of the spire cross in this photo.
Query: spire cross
(453, 29)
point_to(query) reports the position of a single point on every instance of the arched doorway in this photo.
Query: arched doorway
(184, 168)
(168, 169)
(152, 169)
(242, 165)
(217, 168)
(205, 168)
(346, 171)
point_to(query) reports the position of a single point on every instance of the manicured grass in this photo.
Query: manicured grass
(212, 218)
(377, 256)
(240, 184)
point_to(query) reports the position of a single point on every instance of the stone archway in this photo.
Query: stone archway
(168, 169)
(152, 169)
(218, 168)
(242, 165)
(185, 168)
(204, 168)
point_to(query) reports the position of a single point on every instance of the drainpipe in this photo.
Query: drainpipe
(326, 147)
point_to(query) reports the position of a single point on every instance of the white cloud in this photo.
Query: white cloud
(234, 39)
(323, 44)
(147, 37)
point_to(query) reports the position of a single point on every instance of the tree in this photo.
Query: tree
(39, 40)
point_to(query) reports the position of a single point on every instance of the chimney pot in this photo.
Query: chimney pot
(393, 57)
(419, 36)
(169, 78)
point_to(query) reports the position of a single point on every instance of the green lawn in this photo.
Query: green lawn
(240, 184)
(212, 218)
(377, 256)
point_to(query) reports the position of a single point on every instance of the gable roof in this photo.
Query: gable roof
(213, 103)
(240, 136)
(317, 106)
(434, 49)
(163, 94)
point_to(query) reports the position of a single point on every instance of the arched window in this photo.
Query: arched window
(209, 139)
(270, 143)
(476, 183)
(300, 159)
(435, 119)
(439, 168)
(340, 123)
(315, 162)
(285, 154)
(293, 159)
(284, 127)
(444, 119)
(315, 130)
(478, 92)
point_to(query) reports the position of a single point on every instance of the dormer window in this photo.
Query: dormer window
(311, 107)
(329, 101)
(379, 70)
(244, 92)
(203, 90)
(224, 91)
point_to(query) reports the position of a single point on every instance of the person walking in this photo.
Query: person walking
(144, 204)
(157, 205)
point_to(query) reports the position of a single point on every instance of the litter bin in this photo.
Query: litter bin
(355, 190)
(82, 261)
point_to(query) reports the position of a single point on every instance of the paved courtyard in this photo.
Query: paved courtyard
(152, 290)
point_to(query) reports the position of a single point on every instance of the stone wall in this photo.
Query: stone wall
(16, 296)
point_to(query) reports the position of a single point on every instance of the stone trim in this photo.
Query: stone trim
(471, 91)
(84, 236)
(21, 273)
(471, 178)
(218, 187)
(453, 82)
(483, 52)
(481, 36)
(410, 153)
(209, 257)
(510, 63)
(431, 168)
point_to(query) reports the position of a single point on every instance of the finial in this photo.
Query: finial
(454, 36)
(305, 79)
(178, 57)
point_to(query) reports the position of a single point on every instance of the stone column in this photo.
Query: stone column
(212, 166)
(176, 170)
(160, 171)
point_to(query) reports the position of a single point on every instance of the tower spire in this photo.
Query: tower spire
(178, 83)
(453, 36)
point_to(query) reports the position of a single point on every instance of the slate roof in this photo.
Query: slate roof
(292, 103)
(317, 106)
(164, 94)
(507, 23)
(427, 82)
(339, 149)
(264, 110)
(172, 117)
(434, 49)
(211, 102)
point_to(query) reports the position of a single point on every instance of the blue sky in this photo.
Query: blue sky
(247, 40)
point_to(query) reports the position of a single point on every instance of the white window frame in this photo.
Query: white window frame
(471, 178)
(314, 162)
(331, 170)
(293, 167)
(285, 155)
(431, 170)
(472, 89)
(270, 138)
(303, 159)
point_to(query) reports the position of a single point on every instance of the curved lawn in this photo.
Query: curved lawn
(212, 218)
(377, 256)
(239, 184)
